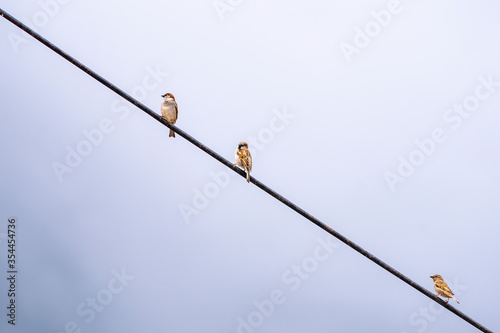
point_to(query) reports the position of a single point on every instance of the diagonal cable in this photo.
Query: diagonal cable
(230, 165)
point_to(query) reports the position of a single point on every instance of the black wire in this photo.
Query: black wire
(230, 165)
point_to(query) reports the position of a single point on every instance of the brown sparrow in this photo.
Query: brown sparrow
(243, 158)
(169, 110)
(442, 288)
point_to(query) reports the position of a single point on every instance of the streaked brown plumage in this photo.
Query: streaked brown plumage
(243, 158)
(442, 288)
(169, 110)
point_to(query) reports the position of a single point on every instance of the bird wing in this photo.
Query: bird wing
(441, 284)
(245, 158)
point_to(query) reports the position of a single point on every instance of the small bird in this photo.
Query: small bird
(243, 158)
(442, 288)
(169, 110)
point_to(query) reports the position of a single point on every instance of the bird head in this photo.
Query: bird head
(168, 96)
(436, 277)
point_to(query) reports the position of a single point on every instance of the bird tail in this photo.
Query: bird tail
(172, 134)
(455, 299)
(248, 176)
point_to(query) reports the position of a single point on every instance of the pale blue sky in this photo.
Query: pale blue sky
(378, 117)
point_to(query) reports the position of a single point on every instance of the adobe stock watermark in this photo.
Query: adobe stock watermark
(48, 9)
(89, 309)
(221, 179)
(94, 137)
(292, 278)
(454, 118)
(363, 36)
(420, 319)
(224, 6)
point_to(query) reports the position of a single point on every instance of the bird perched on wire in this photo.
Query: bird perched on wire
(442, 288)
(169, 110)
(243, 158)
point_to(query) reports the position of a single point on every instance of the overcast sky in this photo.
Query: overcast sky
(380, 118)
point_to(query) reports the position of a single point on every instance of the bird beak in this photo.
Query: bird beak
(430, 277)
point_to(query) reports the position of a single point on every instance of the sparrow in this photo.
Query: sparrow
(243, 158)
(169, 110)
(442, 288)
